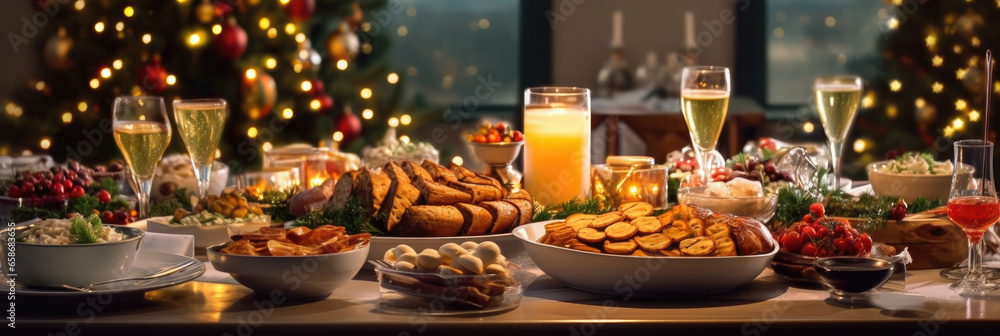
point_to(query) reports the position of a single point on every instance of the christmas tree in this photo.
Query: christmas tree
(931, 91)
(291, 71)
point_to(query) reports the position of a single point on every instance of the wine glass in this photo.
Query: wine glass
(200, 123)
(142, 132)
(973, 206)
(837, 100)
(704, 103)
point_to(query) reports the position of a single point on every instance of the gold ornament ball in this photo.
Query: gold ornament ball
(205, 12)
(342, 44)
(926, 114)
(57, 49)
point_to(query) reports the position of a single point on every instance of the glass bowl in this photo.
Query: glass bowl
(761, 208)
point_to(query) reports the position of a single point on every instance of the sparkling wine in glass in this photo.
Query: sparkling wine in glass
(142, 132)
(973, 206)
(200, 123)
(837, 99)
(704, 103)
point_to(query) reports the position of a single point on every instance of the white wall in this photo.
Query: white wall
(581, 41)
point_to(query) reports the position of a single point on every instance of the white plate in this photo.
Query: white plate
(147, 262)
(625, 275)
(509, 245)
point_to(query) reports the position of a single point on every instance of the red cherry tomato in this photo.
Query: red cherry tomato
(767, 143)
(817, 210)
(809, 233)
(823, 252)
(720, 174)
(501, 127)
(479, 138)
(808, 219)
(866, 243)
(77, 192)
(792, 241)
(13, 192)
(104, 196)
(840, 246)
(68, 184)
(518, 136)
(809, 249)
(822, 232)
(57, 189)
(493, 137)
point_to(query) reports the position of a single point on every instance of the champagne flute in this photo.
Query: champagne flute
(200, 123)
(704, 103)
(142, 132)
(973, 206)
(837, 100)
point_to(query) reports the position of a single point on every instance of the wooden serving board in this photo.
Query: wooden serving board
(932, 242)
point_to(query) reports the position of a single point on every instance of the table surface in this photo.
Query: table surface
(767, 305)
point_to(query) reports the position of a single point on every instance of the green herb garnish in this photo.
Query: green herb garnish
(167, 207)
(85, 231)
(103, 184)
(351, 217)
(591, 206)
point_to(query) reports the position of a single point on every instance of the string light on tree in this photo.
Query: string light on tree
(393, 122)
(392, 78)
(117, 64)
(367, 114)
(99, 27)
(45, 143)
(808, 127)
(287, 113)
(342, 64)
(67, 117)
(252, 132)
(895, 85)
(859, 145)
(366, 93)
(960, 104)
(306, 86)
(405, 119)
(146, 38)
(974, 116)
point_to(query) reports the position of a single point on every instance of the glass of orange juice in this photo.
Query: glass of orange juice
(556, 143)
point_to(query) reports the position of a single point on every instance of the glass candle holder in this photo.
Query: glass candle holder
(556, 143)
(630, 179)
(271, 178)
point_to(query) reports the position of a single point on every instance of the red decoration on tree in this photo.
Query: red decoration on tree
(300, 9)
(224, 8)
(325, 102)
(259, 95)
(355, 19)
(349, 124)
(231, 41)
(318, 88)
(152, 76)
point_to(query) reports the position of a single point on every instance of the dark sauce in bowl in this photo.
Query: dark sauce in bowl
(853, 274)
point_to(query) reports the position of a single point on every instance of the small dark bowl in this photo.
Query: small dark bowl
(853, 274)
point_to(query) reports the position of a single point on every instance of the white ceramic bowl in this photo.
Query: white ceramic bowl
(640, 276)
(204, 236)
(74, 264)
(760, 208)
(908, 186)
(300, 277)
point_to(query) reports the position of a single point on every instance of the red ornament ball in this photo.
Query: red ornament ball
(325, 102)
(300, 9)
(259, 95)
(318, 88)
(231, 41)
(356, 17)
(349, 124)
(152, 76)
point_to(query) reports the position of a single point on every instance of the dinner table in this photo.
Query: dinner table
(214, 304)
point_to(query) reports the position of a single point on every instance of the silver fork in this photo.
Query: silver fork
(161, 273)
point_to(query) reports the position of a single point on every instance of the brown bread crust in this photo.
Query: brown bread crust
(504, 215)
(373, 189)
(415, 171)
(433, 193)
(478, 220)
(429, 221)
(439, 173)
(480, 193)
(525, 210)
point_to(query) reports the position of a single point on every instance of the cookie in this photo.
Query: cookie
(647, 224)
(622, 247)
(620, 231)
(590, 235)
(602, 221)
(653, 242)
(697, 246)
(635, 210)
